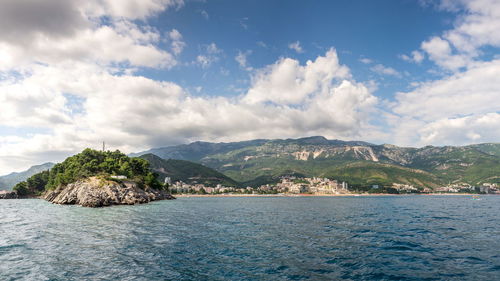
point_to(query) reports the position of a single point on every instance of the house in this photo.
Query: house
(168, 180)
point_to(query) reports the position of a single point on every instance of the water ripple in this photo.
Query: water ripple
(304, 238)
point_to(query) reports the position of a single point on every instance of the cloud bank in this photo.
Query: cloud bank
(463, 106)
(131, 112)
(71, 81)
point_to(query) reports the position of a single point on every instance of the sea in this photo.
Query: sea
(255, 238)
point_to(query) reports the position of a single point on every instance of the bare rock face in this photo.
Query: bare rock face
(94, 192)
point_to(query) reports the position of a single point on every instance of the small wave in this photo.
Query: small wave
(7, 247)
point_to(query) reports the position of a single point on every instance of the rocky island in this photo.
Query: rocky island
(96, 179)
(97, 192)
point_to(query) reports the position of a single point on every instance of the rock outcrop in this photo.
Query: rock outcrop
(95, 192)
(8, 194)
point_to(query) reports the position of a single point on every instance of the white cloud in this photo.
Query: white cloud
(476, 28)
(203, 61)
(116, 109)
(74, 31)
(439, 50)
(462, 107)
(462, 130)
(131, 9)
(261, 44)
(204, 14)
(210, 55)
(241, 58)
(462, 97)
(213, 49)
(416, 57)
(176, 41)
(287, 82)
(366, 60)
(473, 91)
(296, 47)
(384, 70)
(52, 52)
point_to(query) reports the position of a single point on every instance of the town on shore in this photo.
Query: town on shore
(325, 186)
(291, 185)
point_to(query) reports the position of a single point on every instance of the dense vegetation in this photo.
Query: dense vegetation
(361, 175)
(86, 164)
(361, 164)
(186, 171)
(33, 185)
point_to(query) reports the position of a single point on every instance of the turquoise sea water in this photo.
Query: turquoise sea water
(276, 238)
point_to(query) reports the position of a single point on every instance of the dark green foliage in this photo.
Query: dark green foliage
(300, 180)
(34, 185)
(92, 162)
(366, 174)
(186, 171)
(151, 180)
(261, 180)
(21, 188)
(86, 164)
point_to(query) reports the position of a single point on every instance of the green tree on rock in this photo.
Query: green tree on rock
(86, 164)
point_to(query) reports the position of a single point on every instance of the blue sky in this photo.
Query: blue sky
(148, 73)
(379, 31)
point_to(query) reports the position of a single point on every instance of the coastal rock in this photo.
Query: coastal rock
(8, 194)
(95, 192)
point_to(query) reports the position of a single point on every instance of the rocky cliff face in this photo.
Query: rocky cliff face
(94, 192)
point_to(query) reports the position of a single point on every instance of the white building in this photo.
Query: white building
(168, 180)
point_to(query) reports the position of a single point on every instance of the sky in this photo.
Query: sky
(150, 73)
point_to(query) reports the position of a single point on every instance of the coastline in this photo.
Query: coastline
(324, 195)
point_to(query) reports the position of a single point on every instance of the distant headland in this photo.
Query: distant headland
(94, 179)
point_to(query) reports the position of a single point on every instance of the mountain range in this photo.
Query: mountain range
(8, 181)
(186, 171)
(361, 164)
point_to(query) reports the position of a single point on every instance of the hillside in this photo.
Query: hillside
(198, 150)
(7, 182)
(363, 174)
(186, 171)
(261, 161)
(488, 148)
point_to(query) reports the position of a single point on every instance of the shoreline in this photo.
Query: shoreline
(299, 195)
(324, 195)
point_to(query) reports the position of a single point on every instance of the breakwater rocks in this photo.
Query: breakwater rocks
(8, 194)
(95, 192)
